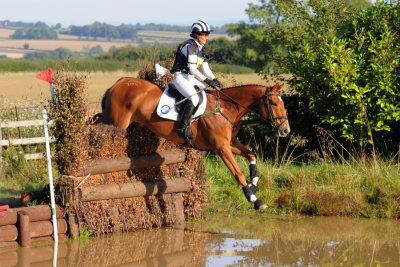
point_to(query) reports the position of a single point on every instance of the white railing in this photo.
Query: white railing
(24, 141)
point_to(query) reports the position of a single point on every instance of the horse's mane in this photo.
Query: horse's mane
(243, 85)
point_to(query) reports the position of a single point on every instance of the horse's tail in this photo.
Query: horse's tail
(103, 100)
(99, 117)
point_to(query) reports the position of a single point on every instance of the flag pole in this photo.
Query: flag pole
(47, 76)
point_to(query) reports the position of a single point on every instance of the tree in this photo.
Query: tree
(347, 63)
(223, 50)
(35, 33)
(96, 50)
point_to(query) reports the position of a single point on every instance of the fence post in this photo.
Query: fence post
(16, 114)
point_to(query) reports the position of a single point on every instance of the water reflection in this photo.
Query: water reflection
(231, 241)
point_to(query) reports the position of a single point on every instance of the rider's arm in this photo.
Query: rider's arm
(207, 71)
(194, 71)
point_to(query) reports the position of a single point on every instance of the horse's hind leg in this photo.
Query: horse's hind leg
(249, 190)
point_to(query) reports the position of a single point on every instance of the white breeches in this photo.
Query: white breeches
(185, 84)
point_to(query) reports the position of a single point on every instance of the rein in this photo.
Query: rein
(267, 103)
(218, 110)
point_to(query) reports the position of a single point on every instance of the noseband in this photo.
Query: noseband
(267, 103)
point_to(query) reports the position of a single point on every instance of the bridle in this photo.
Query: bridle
(267, 103)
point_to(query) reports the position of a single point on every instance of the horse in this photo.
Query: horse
(135, 100)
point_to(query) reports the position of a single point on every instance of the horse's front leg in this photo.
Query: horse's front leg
(249, 190)
(240, 150)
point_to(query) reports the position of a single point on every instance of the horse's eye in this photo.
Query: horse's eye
(274, 104)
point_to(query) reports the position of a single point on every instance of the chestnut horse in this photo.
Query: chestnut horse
(135, 100)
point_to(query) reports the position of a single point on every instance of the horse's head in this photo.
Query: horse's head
(274, 111)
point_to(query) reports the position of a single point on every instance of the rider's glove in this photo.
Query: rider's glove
(211, 83)
(218, 83)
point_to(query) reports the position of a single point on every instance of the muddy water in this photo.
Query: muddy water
(231, 241)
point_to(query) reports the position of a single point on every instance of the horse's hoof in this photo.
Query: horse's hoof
(259, 205)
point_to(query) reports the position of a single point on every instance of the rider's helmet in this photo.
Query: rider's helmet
(199, 27)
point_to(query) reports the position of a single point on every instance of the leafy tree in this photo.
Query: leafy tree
(254, 45)
(96, 50)
(153, 53)
(35, 33)
(59, 53)
(223, 50)
(347, 63)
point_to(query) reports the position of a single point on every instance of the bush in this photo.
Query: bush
(347, 63)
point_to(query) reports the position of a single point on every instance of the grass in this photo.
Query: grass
(354, 188)
(18, 175)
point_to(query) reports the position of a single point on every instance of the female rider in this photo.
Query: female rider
(191, 55)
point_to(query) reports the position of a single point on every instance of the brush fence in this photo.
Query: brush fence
(92, 193)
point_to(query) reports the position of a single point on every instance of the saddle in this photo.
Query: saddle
(171, 102)
(173, 92)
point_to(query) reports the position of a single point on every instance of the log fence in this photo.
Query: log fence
(82, 193)
(30, 224)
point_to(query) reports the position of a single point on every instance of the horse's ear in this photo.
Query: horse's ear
(275, 87)
(280, 86)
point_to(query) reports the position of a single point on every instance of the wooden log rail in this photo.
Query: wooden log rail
(29, 224)
(128, 163)
(137, 189)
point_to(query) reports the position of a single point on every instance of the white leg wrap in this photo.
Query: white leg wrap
(254, 181)
(253, 198)
(253, 161)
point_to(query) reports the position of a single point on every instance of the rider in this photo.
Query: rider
(190, 55)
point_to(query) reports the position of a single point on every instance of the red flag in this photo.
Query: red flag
(3, 210)
(46, 76)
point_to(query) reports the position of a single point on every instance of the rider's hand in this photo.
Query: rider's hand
(218, 83)
(211, 83)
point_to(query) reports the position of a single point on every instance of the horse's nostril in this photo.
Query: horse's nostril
(286, 131)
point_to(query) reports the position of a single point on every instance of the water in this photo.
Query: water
(231, 241)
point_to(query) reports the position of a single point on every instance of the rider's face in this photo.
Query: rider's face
(202, 38)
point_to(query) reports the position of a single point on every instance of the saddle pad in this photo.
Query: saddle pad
(166, 107)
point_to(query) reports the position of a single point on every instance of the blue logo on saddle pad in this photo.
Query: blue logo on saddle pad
(165, 109)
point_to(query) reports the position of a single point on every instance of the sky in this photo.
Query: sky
(116, 12)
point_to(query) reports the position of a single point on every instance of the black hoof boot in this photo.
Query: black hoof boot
(259, 205)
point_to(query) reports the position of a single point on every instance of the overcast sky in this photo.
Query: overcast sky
(83, 12)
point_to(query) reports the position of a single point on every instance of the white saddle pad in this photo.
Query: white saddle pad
(166, 107)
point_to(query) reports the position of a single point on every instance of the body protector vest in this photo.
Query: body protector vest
(189, 52)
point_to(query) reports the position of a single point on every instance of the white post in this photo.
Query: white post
(53, 204)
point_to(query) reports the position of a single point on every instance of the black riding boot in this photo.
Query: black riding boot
(186, 117)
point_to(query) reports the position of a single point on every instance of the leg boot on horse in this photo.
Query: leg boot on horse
(186, 117)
